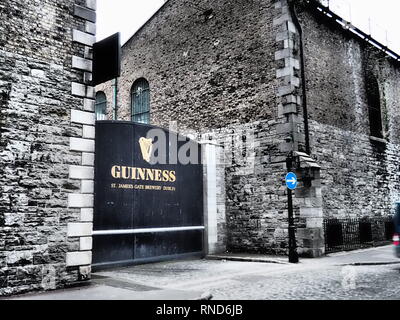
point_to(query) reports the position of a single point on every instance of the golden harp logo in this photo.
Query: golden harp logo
(146, 146)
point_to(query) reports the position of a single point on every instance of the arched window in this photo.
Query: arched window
(374, 106)
(140, 95)
(101, 106)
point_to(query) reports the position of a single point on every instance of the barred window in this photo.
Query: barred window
(101, 106)
(141, 101)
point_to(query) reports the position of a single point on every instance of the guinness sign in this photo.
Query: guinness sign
(148, 203)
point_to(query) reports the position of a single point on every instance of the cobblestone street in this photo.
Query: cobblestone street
(359, 282)
(325, 278)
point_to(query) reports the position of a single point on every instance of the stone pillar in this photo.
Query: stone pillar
(214, 198)
(308, 197)
(84, 116)
(287, 74)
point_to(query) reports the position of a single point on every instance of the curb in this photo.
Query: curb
(243, 259)
(370, 263)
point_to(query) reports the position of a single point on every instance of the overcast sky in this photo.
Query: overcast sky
(127, 16)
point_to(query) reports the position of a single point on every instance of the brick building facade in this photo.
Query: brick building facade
(288, 77)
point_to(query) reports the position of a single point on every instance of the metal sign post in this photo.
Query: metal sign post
(291, 183)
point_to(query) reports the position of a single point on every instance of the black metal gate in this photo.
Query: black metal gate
(145, 210)
(351, 234)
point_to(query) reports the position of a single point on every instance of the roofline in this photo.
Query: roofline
(346, 25)
(349, 27)
(148, 20)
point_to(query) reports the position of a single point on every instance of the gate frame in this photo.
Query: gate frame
(209, 157)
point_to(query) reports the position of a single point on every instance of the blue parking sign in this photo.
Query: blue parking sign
(291, 180)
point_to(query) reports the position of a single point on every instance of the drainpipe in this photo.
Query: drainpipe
(292, 8)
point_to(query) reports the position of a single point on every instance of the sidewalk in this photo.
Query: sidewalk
(104, 292)
(371, 256)
(104, 288)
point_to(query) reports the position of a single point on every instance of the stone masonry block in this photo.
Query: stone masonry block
(285, 147)
(87, 77)
(282, 54)
(291, 80)
(38, 73)
(283, 18)
(291, 27)
(87, 214)
(80, 200)
(88, 53)
(85, 13)
(83, 117)
(81, 172)
(289, 108)
(287, 71)
(89, 132)
(83, 38)
(79, 258)
(90, 27)
(82, 64)
(91, 4)
(281, 36)
(79, 229)
(293, 63)
(314, 222)
(289, 99)
(286, 90)
(86, 243)
(89, 104)
(84, 145)
(284, 128)
(90, 92)
(78, 89)
(311, 212)
(87, 186)
(87, 159)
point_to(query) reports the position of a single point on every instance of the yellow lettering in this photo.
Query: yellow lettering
(149, 174)
(157, 175)
(115, 172)
(125, 172)
(165, 175)
(133, 173)
(172, 176)
(142, 173)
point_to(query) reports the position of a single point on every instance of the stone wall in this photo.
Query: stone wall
(204, 61)
(360, 174)
(46, 118)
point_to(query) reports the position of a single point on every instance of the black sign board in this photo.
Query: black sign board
(145, 210)
(107, 59)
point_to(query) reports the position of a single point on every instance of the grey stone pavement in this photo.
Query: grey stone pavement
(363, 274)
